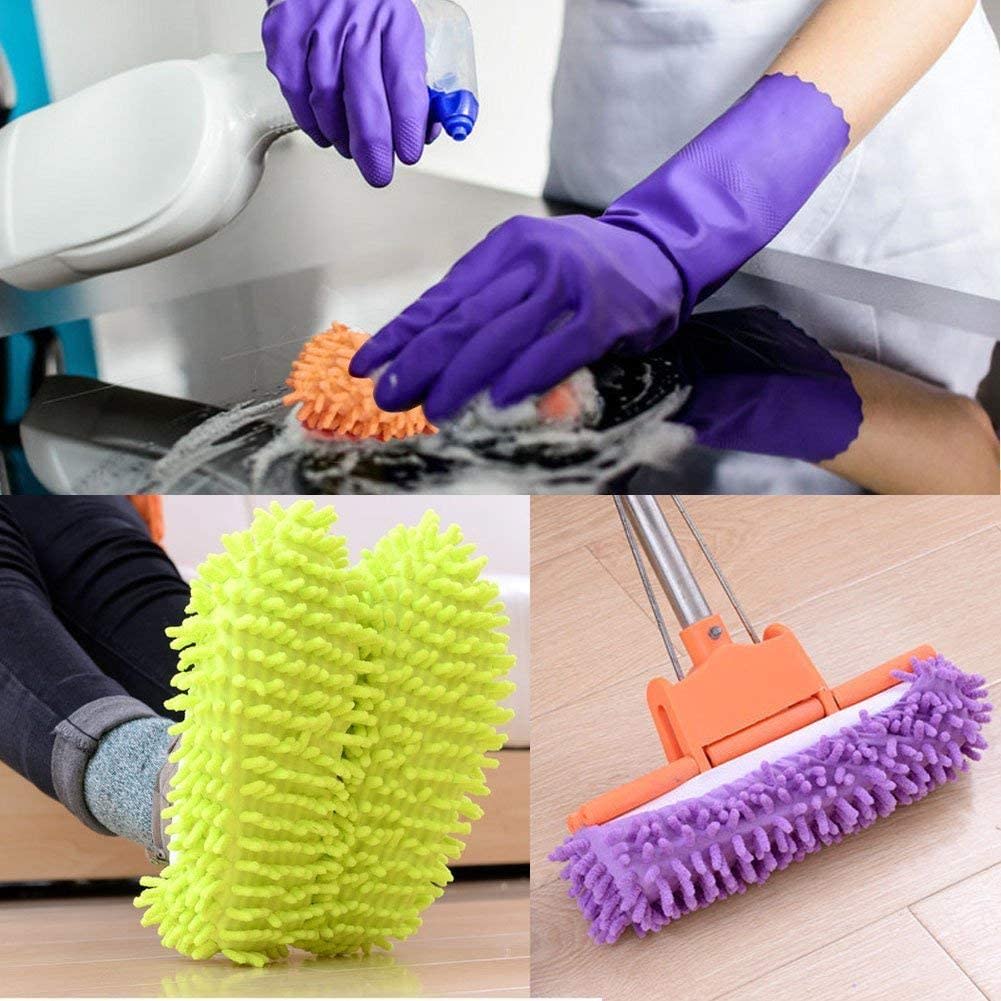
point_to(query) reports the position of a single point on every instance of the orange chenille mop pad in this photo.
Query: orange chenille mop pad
(334, 403)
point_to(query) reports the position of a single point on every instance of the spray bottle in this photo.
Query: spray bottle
(451, 59)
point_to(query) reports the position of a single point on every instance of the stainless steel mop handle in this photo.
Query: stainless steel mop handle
(665, 556)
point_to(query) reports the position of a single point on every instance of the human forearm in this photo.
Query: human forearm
(867, 55)
(916, 438)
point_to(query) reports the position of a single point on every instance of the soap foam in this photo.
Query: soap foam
(485, 449)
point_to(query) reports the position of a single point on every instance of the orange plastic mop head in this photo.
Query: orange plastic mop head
(737, 697)
(334, 403)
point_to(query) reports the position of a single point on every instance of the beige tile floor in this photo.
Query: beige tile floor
(910, 908)
(474, 942)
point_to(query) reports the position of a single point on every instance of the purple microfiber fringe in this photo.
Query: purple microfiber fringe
(645, 871)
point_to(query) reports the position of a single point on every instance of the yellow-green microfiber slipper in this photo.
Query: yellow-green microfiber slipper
(440, 662)
(336, 721)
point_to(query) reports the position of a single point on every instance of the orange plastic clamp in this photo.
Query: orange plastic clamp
(737, 697)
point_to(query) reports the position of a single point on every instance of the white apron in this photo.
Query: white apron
(918, 198)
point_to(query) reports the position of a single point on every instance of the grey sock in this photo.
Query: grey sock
(121, 777)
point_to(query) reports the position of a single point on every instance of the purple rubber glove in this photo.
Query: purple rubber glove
(354, 75)
(760, 384)
(539, 298)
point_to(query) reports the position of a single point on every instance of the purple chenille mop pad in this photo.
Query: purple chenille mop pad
(650, 867)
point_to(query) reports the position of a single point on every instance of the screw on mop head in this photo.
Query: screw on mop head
(336, 720)
(650, 852)
(335, 403)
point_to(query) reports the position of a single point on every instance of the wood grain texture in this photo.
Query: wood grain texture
(474, 940)
(577, 633)
(959, 916)
(41, 840)
(889, 959)
(798, 558)
(869, 587)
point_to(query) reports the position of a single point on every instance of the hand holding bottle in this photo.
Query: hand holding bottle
(375, 79)
(353, 74)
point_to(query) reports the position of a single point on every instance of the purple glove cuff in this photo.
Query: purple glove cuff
(734, 187)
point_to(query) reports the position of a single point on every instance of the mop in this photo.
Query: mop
(336, 723)
(332, 403)
(766, 763)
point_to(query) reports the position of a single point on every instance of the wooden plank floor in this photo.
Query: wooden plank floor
(474, 941)
(909, 908)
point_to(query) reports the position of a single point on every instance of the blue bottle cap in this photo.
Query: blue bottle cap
(456, 111)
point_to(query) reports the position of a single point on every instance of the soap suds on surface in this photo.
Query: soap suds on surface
(587, 435)
(262, 447)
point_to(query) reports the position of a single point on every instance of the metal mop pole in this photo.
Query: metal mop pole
(665, 556)
(646, 528)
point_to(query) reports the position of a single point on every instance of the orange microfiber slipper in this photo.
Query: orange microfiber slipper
(334, 403)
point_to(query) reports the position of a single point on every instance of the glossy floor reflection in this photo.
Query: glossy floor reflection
(474, 941)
